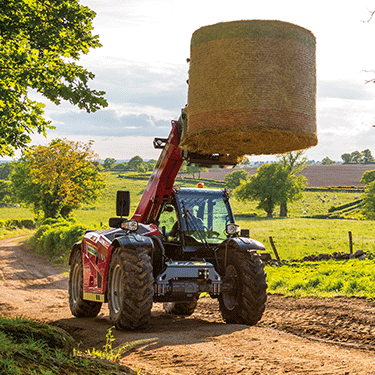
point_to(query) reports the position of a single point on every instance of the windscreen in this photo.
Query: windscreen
(204, 215)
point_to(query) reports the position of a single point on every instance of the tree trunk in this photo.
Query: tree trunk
(283, 210)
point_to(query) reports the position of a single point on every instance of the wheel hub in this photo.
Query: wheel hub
(230, 298)
(116, 289)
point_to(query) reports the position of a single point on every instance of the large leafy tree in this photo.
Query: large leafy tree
(40, 42)
(367, 157)
(234, 179)
(58, 178)
(368, 203)
(346, 158)
(294, 162)
(272, 185)
(109, 163)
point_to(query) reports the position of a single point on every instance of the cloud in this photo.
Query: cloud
(143, 99)
(341, 89)
(124, 81)
(110, 123)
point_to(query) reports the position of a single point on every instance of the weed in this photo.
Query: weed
(113, 354)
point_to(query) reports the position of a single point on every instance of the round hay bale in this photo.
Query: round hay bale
(252, 88)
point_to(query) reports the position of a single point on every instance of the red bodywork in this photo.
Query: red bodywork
(97, 248)
(160, 184)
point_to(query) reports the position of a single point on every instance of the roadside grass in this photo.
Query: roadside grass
(29, 348)
(9, 233)
(351, 278)
(295, 238)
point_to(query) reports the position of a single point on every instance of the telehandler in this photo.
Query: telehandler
(179, 243)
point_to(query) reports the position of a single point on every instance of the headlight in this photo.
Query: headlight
(131, 225)
(232, 229)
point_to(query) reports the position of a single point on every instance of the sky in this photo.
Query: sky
(142, 67)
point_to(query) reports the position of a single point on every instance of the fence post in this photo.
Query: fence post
(274, 249)
(350, 243)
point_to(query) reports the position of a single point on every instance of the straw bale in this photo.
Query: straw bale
(252, 88)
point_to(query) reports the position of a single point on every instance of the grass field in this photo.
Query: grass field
(295, 236)
(351, 278)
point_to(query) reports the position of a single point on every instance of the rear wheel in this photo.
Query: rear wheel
(130, 288)
(78, 306)
(245, 303)
(180, 308)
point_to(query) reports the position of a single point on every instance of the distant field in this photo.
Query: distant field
(317, 175)
(295, 236)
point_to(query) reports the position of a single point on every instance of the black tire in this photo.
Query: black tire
(180, 308)
(130, 288)
(246, 304)
(78, 306)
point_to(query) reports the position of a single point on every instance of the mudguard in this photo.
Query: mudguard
(76, 247)
(133, 241)
(243, 244)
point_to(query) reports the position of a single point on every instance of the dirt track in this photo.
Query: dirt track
(304, 336)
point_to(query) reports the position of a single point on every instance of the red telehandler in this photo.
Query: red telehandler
(180, 242)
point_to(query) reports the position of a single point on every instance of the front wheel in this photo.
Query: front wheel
(78, 306)
(180, 308)
(130, 288)
(246, 302)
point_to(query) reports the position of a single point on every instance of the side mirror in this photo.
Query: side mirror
(123, 203)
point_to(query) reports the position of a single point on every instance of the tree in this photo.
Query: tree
(192, 169)
(245, 161)
(346, 158)
(133, 163)
(40, 42)
(368, 197)
(294, 162)
(368, 201)
(5, 170)
(327, 161)
(273, 184)
(368, 176)
(234, 179)
(120, 166)
(142, 168)
(367, 157)
(6, 192)
(151, 164)
(356, 157)
(109, 163)
(58, 178)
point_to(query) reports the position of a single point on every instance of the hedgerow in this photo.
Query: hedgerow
(11, 224)
(55, 237)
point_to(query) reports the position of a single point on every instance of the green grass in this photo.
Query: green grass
(351, 278)
(29, 348)
(309, 205)
(297, 237)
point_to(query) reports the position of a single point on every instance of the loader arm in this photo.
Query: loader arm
(160, 185)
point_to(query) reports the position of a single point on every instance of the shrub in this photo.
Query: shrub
(57, 237)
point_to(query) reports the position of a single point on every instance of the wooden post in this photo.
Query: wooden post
(350, 243)
(274, 249)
